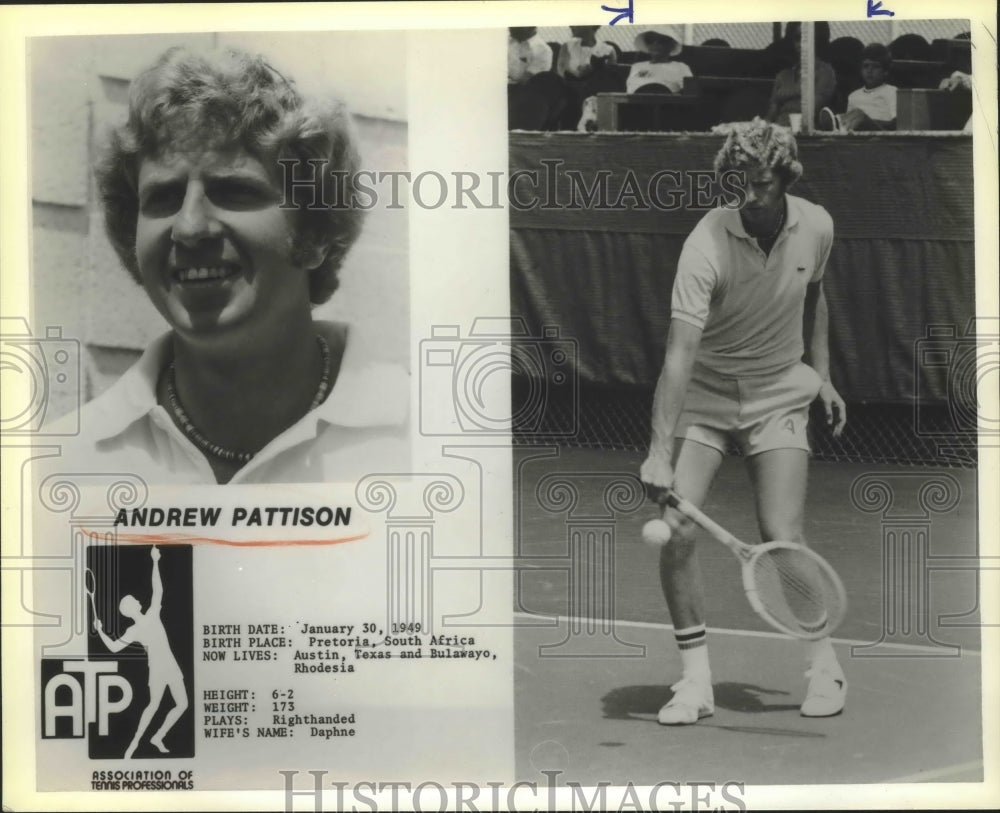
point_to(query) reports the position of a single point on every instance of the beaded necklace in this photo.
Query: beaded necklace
(217, 450)
(769, 240)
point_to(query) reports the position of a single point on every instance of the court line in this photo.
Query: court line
(937, 773)
(749, 633)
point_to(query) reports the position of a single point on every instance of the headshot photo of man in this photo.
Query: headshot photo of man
(228, 196)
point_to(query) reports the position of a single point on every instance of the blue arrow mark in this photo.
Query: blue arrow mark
(624, 12)
(875, 9)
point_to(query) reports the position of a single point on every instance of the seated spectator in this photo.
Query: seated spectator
(961, 82)
(845, 58)
(527, 55)
(581, 53)
(872, 107)
(535, 95)
(786, 95)
(661, 71)
(583, 64)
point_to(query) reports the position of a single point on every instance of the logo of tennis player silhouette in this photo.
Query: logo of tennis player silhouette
(164, 672)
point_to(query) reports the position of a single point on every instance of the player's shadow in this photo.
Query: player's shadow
(628, 702)
(749, 698)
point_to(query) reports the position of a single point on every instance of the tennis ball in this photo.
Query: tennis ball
(656, 532)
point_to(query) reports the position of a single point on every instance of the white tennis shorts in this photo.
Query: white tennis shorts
(759, 413)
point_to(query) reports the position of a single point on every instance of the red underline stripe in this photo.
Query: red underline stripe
(187, 539)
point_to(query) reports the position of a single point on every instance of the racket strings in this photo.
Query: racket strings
(797, 592)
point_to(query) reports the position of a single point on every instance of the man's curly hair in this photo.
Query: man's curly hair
(194, 101)
(758, 144)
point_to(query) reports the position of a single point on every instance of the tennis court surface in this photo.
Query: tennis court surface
(595, 655)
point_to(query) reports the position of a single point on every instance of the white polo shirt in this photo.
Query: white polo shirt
(879, 104)
(748, 304)
(361, 428)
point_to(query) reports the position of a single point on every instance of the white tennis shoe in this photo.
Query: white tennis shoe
(826, 694)
(692, 700)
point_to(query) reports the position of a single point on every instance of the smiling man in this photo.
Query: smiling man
(246, 386)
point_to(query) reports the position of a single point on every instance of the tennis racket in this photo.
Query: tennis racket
(90, 585)
(791, 587)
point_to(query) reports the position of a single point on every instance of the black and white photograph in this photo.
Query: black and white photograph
(238, 311)
(499, 406)
(768, 292)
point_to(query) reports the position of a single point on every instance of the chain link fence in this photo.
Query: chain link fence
(619, 418)
(760, 35)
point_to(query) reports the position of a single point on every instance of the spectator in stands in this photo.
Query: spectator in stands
(961, 82)
(661, 71)
(536, 96)
(583, 65)
(581, 53)
(527, 55)
(872, 107)
(786, 95)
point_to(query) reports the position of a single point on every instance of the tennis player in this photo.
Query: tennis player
(234, 251)
(164, 672)
(747, 281)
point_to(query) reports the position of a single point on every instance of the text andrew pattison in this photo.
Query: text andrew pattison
(269, 516)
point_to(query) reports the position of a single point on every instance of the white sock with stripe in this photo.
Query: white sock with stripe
(693, 646)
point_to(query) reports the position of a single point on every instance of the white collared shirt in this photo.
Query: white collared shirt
(749, 304)
(361, 428)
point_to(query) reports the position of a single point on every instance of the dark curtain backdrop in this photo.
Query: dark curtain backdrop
(903, 256)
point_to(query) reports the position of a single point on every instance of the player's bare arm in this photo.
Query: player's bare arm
(817, 324)
(668, 403)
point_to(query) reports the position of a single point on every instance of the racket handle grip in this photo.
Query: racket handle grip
(692, 512)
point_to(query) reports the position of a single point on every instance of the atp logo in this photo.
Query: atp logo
(78, 692)
(131, 697)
